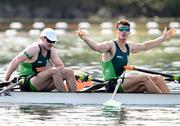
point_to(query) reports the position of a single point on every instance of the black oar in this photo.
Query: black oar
(10, 87)
(170, 76)
(3, 84)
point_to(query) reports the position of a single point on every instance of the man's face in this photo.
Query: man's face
(123, 31)
(48, 43)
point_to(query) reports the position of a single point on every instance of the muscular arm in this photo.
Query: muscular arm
(12, 66)
(102, 48)
(17, 60)
(139, 47)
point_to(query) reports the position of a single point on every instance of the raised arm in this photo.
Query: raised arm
(138, 47)
(101, 47)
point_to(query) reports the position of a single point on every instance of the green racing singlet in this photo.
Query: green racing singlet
(114, 68)
(27, 69)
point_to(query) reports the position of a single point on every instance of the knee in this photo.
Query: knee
(54, 71)
(157, 78)
(69, 72)
(146, 78)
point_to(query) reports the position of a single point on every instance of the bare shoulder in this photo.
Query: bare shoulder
(31, 50)
(53, 51)
(108, 43)
(135, 47)
(131, 44)
(33, 46)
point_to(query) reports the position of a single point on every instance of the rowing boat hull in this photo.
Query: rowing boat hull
(89, 98)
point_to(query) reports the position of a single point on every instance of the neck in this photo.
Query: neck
(42, 45)
(43, 49)
(121, 42)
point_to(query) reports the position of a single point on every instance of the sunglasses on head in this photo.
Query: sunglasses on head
(126, 29)
(49, 41)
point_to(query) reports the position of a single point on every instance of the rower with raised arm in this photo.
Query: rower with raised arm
(34, 71)
(115, 55)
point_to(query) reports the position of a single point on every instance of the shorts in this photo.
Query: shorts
(27, 84)
(110, 87)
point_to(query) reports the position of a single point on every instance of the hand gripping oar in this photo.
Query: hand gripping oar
(9, 87)
(3, 84)
(172, 77)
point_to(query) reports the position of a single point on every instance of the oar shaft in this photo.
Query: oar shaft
(154, 72)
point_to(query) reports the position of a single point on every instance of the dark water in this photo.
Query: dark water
(76, 55)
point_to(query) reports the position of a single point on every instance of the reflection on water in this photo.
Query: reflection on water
(151, 116)
(87, 115)
(57, 115)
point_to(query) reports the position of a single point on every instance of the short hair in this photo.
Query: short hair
(122, 22)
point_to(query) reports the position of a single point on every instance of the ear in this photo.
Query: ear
(42, 38)
(116, 32)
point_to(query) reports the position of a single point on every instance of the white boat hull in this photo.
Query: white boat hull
(89, 98)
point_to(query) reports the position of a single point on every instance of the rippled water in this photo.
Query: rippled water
(52, 115)
(78, 56)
